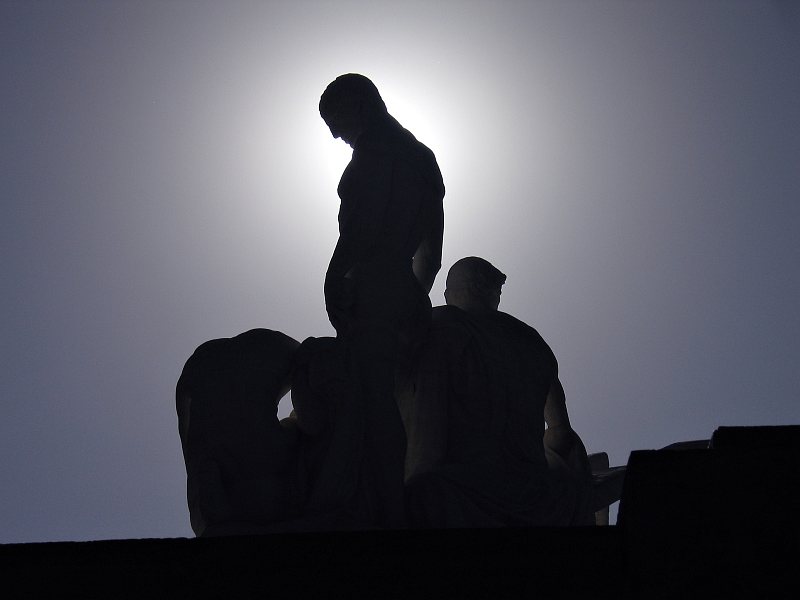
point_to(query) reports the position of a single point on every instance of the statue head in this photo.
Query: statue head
(474, 285)
(349, 104)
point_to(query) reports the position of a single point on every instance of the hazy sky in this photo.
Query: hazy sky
(633, 167)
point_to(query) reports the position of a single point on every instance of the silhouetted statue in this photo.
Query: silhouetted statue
(391, 224)
(486, 384)
(331, 435)
(241, 462)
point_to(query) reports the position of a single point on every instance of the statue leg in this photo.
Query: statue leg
(373, 351)
(389, 306)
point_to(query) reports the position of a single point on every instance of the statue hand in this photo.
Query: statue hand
(339, 298)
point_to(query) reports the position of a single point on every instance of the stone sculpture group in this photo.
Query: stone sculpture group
(412, 416)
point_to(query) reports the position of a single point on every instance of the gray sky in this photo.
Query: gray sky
(633, 167)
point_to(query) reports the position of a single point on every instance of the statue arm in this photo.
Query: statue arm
(555, 406)
(428, 257)
(559, 435)
(310, 414)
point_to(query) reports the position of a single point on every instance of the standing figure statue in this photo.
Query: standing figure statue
(391, 223)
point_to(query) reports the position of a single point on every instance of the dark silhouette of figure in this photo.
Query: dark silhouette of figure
(391, 224)
(478, 452)
(241, 462)
(330, 424)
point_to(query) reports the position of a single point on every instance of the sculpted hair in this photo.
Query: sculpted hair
(475, 274)
(351, 88)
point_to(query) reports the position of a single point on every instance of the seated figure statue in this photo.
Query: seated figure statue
(330, 425)
(249, 473)
(241, 462)
(478, 452)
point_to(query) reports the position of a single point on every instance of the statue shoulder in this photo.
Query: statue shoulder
(532, 338)
(391, 143)
(514, 323)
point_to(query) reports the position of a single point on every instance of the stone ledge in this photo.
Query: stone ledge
(497, 563)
